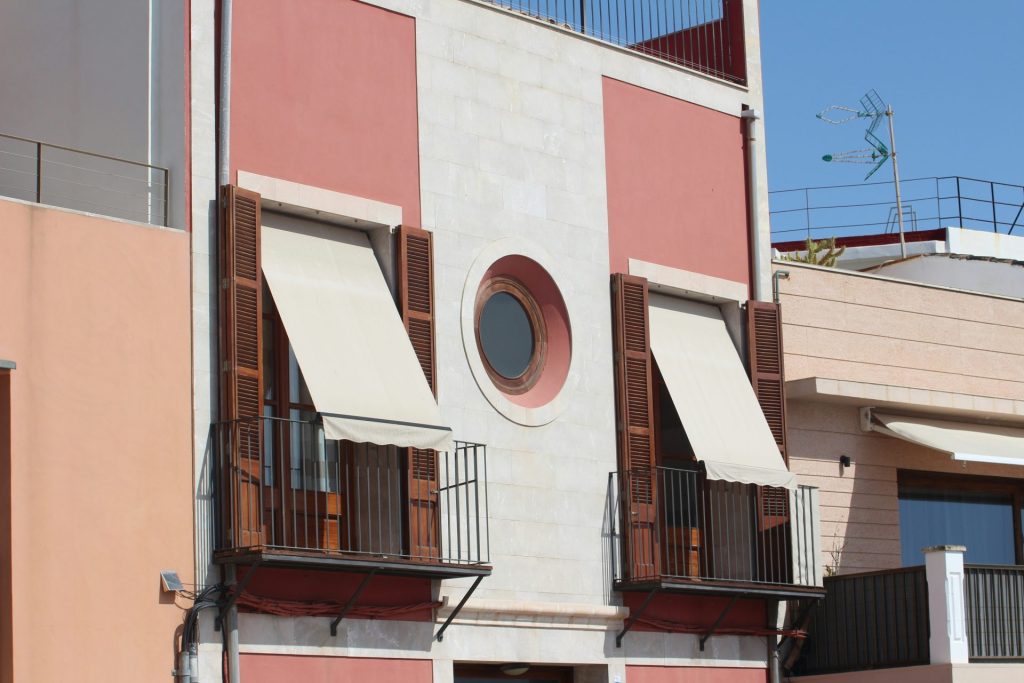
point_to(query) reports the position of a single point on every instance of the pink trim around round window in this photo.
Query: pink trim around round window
(555, 347)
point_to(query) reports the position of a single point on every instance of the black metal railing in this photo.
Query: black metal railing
(676, 525)
(38, 171)
(870, 208)
(706, 35)
(994, 606)
(282, 486)
(873, 620)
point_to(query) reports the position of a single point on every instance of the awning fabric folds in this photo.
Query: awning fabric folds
(348, 337)
(712, 393)
(962, 440)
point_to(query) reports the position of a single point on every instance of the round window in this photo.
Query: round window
(510, 334)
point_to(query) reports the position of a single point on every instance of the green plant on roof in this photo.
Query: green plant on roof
(818, 253)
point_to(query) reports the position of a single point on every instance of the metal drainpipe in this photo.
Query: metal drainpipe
(223, 178)
(224, 94)
(752, 117)
(774, 665)
(231, 625)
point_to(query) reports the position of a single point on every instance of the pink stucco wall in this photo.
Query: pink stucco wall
(96, 315)
(326, 96)
(262, 668)
(694, 674)
(676, 177)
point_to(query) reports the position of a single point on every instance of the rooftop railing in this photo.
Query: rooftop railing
(45, 173)
(705, 35)
(870, 208)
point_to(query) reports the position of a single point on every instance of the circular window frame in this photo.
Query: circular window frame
(545, 412)
(527, 379)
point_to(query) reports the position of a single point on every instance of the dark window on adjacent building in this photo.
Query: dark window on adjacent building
(981, 513)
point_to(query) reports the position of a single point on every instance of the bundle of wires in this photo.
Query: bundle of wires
(209, 597)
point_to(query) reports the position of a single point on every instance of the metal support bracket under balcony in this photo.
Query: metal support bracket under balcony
(458, 608)
(633, 618)
(233, 596)
(351, 602)
(718, 621)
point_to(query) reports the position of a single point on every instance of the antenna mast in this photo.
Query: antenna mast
(872, 108)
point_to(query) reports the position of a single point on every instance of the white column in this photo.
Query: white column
(944, 570)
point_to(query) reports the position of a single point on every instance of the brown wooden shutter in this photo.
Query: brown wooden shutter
(416, 302)
(635, 424)
(764, 332)
(241, 353)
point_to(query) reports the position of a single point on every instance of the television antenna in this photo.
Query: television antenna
(873, 109)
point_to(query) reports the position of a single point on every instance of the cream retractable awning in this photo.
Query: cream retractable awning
(712, 393)
(348, 337)
(963, 441)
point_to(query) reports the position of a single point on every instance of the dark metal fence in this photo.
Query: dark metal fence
(870, 208)
(706, 35)
(303, 492)
(868, 621)
(994, 597)
(688, 528)
(37, 171)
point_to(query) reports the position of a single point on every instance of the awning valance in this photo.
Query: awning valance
(348, 337)
(712, 393)
(962, 440)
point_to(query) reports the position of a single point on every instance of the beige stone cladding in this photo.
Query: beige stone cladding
(915, 348)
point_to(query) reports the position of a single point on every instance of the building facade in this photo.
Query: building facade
(905, 411)
(416, 338)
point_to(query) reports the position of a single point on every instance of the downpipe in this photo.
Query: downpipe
(774, 663)
(753, 117)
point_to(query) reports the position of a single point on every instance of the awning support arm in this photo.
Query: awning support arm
(633, 618)
(351, 602)
(458, 608)
(714, 626)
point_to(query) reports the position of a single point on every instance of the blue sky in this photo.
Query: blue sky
(952, 70)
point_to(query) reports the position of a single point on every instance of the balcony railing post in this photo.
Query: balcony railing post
(944, 572)
(39, 173)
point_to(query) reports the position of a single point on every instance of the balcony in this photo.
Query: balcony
(887, 619)
(690, 534)
(704, 35)
(37, 171)
(286, 496)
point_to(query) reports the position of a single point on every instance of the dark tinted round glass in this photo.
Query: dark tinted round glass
(506, 335)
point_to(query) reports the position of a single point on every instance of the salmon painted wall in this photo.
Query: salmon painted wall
(327, 97)
(676, 175)
(694, 674)
(96, 316)
(261, 668)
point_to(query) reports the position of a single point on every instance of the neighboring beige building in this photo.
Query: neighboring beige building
(933, 365)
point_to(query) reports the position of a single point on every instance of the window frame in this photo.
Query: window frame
(529, 377)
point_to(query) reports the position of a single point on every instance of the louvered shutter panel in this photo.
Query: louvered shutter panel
(416, 302)
(241, 352)
(635, 424)
(764, 327)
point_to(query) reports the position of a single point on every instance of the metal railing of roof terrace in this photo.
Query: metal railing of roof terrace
(37, 171)
(705, 35)
(870, 208)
